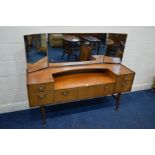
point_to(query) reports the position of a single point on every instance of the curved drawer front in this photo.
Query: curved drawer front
(66, 95)
(37, 99)
(123, 86)
(40, 87)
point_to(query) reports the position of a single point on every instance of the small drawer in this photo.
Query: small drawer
(123, 86)
(38, 99)
(126, 77)
(40, 87)
(66, 95)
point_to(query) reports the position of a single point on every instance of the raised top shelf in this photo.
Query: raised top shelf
(46, 75)
(80, 78)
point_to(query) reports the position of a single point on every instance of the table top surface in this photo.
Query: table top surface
(71, 38)
(82, 79)
(91, 38)
(45, 75)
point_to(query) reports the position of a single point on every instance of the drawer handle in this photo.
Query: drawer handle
(42, 96)
(106, 87)
(123, 85)
(41, 88)
(65, 93)
(126, 78)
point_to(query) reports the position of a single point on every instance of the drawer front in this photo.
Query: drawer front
(66, 95)
(85, 92)
(40, 87)
(101, 90)
(37, 99)
(123, 86)
(98, 90)
(109, 88)
(126, 77)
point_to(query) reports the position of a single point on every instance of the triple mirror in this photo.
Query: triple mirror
(43, 50)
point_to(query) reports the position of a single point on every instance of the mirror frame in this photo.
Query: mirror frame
(99, 60)
(36, 66)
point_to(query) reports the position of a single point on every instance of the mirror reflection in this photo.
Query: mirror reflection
(36, 51)
(115, 45)
(73, 47)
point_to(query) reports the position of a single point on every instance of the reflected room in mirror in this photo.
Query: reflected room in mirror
(73, 47)
(62, 49)
(36, 51)
(115, 47)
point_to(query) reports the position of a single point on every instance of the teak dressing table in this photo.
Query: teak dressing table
(70, 83)
(57, 83)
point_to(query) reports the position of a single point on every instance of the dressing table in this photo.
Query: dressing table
(60, 83)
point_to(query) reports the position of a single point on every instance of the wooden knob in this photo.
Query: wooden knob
(123, 85)
(42, 96)
(126, 78)
(41, 88)
(106, 87)
(65, 93)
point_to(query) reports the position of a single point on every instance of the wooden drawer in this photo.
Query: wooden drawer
(109, 88)
(37, 99)
(66, 95)
(126, 77)
(123, 86)
(40, 87)
(101, 90)
(85, 92)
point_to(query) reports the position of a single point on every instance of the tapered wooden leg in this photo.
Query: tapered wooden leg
(117, 98)
(43, 114)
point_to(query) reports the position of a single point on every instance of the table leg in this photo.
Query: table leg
(43, 114)
(117, 98)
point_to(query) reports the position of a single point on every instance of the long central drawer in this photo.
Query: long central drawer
(78, 93)
(63, 95)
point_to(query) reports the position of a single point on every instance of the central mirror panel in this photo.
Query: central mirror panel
(73, 47)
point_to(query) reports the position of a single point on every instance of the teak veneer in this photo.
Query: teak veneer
(57, 85)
